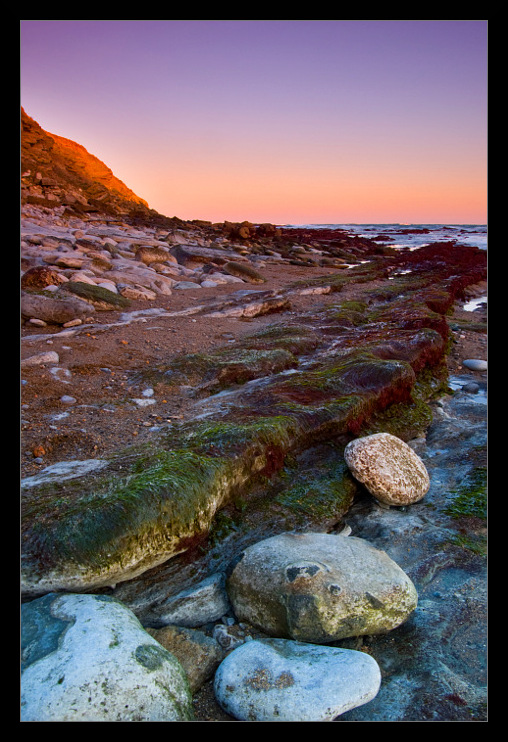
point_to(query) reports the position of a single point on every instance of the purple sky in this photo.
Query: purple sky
(279, 121)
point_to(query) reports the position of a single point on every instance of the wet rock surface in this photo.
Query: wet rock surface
(280, 680)
(87, 658)
(204, 426)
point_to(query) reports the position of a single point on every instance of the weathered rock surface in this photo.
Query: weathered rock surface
(319, 587)
(41, 358)
(53, 310)
(388, 468)
(263, 419)
(198, 654)
(344, 367)
(281, 680)
(87, 658)
(39, 277)
(241, 270)
(204, 603)
(58, 171)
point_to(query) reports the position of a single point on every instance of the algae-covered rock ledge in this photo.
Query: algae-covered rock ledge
(278, 393)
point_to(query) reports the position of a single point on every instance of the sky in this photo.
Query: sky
(288, 122)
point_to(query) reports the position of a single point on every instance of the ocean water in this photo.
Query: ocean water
(400, 236)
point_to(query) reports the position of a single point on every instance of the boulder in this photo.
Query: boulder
(391, 471)
(149, 255)
(70, 261)
(41, 276)
(281, 680)
(87, 658)
(137, 293)
(245, 230)
(319, 587)
(193, 255)
(83, 277)
(267, 230)
(53, 310)
(244, 271)
(98, 297)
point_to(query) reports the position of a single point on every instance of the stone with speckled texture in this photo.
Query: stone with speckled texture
(391, 471)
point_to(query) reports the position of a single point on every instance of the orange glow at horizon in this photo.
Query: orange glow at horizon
(285, 182)
(273, 121)
(314, 198)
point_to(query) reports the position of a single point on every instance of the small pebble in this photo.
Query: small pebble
(471, 388)
(475, 364)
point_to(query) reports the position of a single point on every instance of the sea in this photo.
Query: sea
(412, 235)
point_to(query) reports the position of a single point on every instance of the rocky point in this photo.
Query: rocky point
(191, 390)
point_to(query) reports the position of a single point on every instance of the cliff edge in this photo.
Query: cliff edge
(57, 171)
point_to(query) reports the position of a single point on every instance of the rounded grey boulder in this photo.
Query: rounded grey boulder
(319, 587)
(475, 364)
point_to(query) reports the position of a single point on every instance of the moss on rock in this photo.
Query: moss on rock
(243, 270)
(470, 498)
(226, 367)
(376, 362)
(99, 296)
(318, 494)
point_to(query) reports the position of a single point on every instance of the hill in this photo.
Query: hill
(57, 171)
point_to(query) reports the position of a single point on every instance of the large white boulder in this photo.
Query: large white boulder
(283, 680)
(87, 658)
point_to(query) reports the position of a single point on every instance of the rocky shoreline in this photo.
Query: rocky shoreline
(238, 361)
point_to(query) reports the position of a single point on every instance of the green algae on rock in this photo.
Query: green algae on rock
(98, 296)
(156, 503)
(243, 270)
(220, 369)
(150, 505)
(282, 390)
(321, 492)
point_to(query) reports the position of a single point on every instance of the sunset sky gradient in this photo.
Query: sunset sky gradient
(273, 121)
